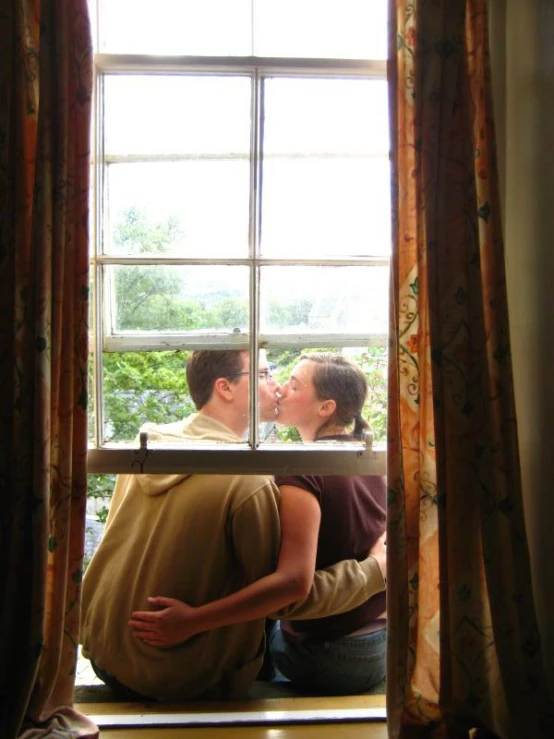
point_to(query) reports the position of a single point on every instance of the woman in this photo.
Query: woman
(323, 519)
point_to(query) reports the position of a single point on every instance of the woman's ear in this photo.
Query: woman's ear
(327, 408)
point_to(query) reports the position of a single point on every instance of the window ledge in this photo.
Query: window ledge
(292, 459)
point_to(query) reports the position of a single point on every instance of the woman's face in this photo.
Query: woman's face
(298, 405)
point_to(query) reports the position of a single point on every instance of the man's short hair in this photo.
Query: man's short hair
(205, 367)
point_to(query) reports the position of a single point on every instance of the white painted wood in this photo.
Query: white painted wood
(136, 341)
(221, 718)
(136, 63)
(309, 459)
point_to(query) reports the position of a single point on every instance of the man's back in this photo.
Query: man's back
(192, 538)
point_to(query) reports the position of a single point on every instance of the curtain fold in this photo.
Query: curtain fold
(464, 648)
(45, 92)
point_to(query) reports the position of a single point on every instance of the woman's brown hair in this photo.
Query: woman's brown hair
(337, 378)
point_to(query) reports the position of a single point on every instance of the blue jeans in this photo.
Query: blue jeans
(346, 666)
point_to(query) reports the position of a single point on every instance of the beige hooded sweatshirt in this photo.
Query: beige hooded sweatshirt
(195, 538)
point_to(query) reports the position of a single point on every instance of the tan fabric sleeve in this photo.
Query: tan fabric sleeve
(337, 589)
(256, 534)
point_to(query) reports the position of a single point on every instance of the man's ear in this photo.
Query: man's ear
(327, 408)
(223, 389)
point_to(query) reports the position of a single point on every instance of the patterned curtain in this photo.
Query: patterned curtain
(45, 104)
(464, 650)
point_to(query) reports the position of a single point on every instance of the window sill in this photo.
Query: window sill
(268, 712)
(291, 459)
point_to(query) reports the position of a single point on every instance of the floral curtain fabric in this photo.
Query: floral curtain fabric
(45, 94)
(464, 649)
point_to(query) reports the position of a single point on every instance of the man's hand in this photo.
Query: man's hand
(173, 624)
(379, 551)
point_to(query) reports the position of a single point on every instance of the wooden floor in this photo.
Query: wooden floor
(275, 717)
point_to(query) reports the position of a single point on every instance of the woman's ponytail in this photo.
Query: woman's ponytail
(360, 425)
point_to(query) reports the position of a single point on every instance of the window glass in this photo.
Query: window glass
(373, 362)
(177, 114)
(196, 207)
(231, 202)
(325, 162)
(324, 300)
(338, 29)
(209, 27)
(312, 116)
(177, 298)
(152, 387)
(325, 207)
(142, 387)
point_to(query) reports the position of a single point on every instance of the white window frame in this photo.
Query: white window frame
(362, 458)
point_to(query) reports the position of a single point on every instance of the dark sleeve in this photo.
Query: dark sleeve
(312, 483)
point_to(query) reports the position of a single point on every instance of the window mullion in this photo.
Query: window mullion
(254, 247)
(98, 306)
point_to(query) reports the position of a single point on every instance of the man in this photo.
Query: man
(197, 538)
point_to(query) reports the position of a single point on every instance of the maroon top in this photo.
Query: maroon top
(353, 517)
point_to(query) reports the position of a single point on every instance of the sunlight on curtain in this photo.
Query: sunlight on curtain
(464, 649)
(46, 86)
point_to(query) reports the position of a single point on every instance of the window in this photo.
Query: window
(242, 201)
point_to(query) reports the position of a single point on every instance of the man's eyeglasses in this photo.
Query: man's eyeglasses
(265, 374)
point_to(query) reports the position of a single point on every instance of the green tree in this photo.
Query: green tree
(148, 297)
(285, 315)
(373, 362)
(144, 386)
(229, 313)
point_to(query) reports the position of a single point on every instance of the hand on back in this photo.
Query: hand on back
(173, 623)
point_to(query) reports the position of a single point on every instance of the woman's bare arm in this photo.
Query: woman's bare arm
(176, 621)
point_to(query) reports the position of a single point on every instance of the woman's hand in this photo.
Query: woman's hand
(173, 624)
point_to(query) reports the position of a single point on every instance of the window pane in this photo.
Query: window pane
(140, 387)
(353, 29)
(326, 185)
(373, 362)
(326, 208)
(195, 208)
(187, 27)
(340, 29)
(321, 116)
(171, 298)
(187, 115)
(324, 300)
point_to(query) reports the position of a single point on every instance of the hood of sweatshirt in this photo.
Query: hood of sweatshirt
(193, 429)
